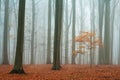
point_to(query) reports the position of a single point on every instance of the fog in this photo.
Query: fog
(99, 16)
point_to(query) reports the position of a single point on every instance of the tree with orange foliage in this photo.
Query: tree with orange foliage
(87, 42)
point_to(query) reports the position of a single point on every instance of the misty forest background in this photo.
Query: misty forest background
(99, 16)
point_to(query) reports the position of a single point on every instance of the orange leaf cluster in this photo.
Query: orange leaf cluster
(78, 51)
(84, 37)
(87, 37)
(81, 47)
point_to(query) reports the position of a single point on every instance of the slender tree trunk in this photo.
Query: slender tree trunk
(81, 25)
(73, 29)
(92, 51)
(18, 67)
(5, 39)
(44, 47)
(107, 32)
(49, 34)
(119, 47)
(57, 36)
(101, 11)
(0, 23)
(66, 34)
(62, 40)
(112, 31)
(15, 30)
(0, 10)
(61, 46)
(35, 47)
(0, 46)
(33, 31)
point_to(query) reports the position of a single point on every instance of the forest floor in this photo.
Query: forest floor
(67, 72)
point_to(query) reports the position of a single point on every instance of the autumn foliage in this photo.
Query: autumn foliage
(87, 40)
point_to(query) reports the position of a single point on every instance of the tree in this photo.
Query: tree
(0, 23)
(101, 13)
(67, 26)
(5, 39)
(49, 34)
(33, 31)
(57, 34)
(85, 38)
(107, 32)
(15, 29)
(18, 68)
(81, 24)
(0, 11)
(73, 28)
(119, 49)
(113, 10)
(92, 51)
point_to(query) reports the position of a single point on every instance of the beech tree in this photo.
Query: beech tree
(5, 39)
(113, 10)
(57, 34)
(49, 34)
(73, 28)
(67, 26)
(107, 32)
(18, 67)
(0, 8)
(92, 51)
(33, 31)
(101, 15)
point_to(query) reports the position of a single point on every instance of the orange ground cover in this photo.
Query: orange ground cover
(68, 72)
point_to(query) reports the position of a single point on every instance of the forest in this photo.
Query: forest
(59, 40)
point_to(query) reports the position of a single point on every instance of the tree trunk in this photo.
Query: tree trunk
(33, 31)
(101, 11)
(61, 46)
(112, 31)
(92, 51)
(5, 39)
(73, 29)
(15, 30)
(57, 34)
(49, 34)
(81, 26)
(18, 68)
(66, 34)
(107, 32)
(119, 47)
(0, 22)
(44, 46)
(0, 11)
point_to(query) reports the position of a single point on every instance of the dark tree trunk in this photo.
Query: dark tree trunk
(5, 39)
(57, 34)
(18, 67)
